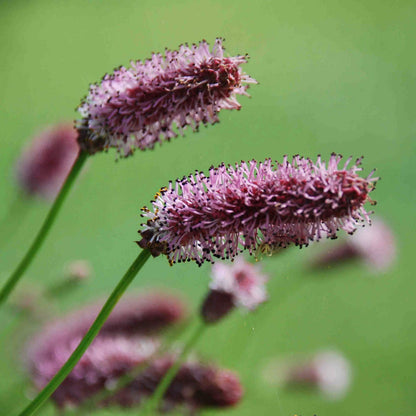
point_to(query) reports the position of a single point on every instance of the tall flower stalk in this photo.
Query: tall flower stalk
(150, 102)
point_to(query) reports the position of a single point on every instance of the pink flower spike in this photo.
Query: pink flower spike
(139, 106)
(45, 163)
(233, 285)
(255, 206)
(375, 245)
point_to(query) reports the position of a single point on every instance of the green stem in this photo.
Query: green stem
(43, 232)
(89, 336)
(153, 404)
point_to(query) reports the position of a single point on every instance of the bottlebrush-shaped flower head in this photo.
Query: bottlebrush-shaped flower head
(374, 245)
(233, 285)
(139, 106)
(45, 163)
(254, 205)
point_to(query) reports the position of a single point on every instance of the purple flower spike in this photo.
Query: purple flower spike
(44, 165)
(255, 206)
(139, 106)
(237, 285)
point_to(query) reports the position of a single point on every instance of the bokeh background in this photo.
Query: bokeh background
(334, 76)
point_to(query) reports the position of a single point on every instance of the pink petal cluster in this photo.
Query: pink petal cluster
(233, 285)
(139, 106)
(374, 245)
(255, 206)
(45, 163)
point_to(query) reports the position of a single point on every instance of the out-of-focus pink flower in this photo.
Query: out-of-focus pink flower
(253, 205)
(240, 284)
(133, 316)
(139, 106)
(45, 163)
(28, 301)
(106, 360)
(375, 245)
(329, 372)
(195, 386)
(109, 358)
(78, 270)
(123, 342)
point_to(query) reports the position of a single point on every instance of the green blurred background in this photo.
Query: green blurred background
(334, 76)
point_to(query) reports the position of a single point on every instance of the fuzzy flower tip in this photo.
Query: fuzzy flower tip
(237, 285)
(255, 206)
(139, 106)
(45, 163)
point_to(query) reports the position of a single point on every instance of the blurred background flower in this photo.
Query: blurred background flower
(127, 346)
(45, 163)
(327, 372)
(375, 246)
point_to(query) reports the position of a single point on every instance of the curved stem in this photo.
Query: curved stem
(153, 403)
(89, 336)
(43, 232)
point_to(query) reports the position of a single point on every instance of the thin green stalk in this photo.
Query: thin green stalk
(153, 404)
(46, 226)
(90, 335)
